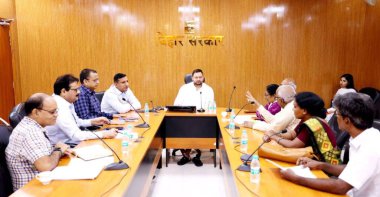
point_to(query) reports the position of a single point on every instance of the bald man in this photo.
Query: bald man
(284, 119)
(29, 150)
(289, 81)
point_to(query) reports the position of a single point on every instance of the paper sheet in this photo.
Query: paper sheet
(241, 118)
(298, 170)
(79, 169)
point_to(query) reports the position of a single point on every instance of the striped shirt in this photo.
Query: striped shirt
(27, 144)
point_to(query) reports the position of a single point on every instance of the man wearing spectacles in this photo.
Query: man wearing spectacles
(88, 106)
(361, 175)
(284, 119)
(66, 129)
(29, 151)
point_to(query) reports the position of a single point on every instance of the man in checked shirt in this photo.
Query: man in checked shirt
(29, 150)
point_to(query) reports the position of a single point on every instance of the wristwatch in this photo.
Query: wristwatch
(58, 149)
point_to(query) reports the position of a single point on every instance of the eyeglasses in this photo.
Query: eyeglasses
(52, 112)
(75, 89)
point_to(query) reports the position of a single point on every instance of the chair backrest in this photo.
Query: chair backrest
(5, 178)
(17, 114)
(376, 124)
(188, 78)
(99, 96)
(375, 95)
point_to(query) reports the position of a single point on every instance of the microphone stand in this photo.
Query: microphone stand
(229, 103)
(245, 167)
(201, 109)
(237, 127)
(142, 125)
(113, 166)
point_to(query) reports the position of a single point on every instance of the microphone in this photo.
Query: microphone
(237, 127)
(142, 125)
(245, 167)
(229, 102)
(120, 165)
(201, 109)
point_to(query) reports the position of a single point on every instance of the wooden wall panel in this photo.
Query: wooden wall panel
(7, 9)
(312, 41)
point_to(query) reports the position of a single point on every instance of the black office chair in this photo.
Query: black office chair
(99, 96)
(5, 178)
(376, 124)
(342, 138)
(375, 95)
(17, 114)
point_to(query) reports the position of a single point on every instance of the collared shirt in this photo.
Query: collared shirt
(27, 144)
(284, 119)
(362, 171)
(66, 128)
(114, 101)
(88, 106)
(188, 95)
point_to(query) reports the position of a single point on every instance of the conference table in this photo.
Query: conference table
(145, 157)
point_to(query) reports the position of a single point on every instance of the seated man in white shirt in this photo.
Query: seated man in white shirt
(66, 129)
(284, 119)
(190, 95)
(29, 151)
(119, 97)
(361, 175)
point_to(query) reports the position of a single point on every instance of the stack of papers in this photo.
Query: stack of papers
(241, 118)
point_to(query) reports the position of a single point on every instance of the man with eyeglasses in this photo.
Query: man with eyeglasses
(284, 119)
(66, 129)
(361, 175)
(88, 106)
(29, 150)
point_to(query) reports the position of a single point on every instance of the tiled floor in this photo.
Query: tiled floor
(188, 180)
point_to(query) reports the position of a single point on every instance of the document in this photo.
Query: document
(241, 118)
(92, 152)
(298, 170)
(79, 169)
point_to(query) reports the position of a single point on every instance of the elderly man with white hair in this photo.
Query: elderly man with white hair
(284, 119)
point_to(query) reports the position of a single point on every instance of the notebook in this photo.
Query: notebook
(92, 152)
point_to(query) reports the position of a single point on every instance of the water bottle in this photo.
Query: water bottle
(255, 170)
(124, 142)
(244, 142)
(129, 133)
(231, 126)
(209, 107)
(146, 110)
(214, 107)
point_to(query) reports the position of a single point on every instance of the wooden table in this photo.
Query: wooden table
(271, 184)
(182, 130)
(143, 159)
(145, 156)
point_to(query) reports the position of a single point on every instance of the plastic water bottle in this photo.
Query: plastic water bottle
(244, 142)
(232, 114)
(129, 134)
(231, 126)
(214, 107)
(209, 107)
(146, 110)
(124, 142)
(255, 170)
